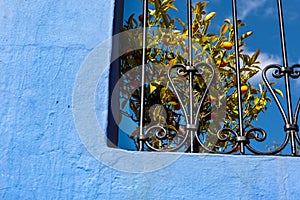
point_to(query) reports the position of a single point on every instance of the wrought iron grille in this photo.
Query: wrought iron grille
(189, 137)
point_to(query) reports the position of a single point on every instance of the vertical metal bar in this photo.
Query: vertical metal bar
(190, 35)
(287, 79)
(191, 109)
(238, 74)
(144, 60)
(282, 33)
(191, 72)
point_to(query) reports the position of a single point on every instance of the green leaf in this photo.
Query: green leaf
(214, 38)
(181, 23)
(171, 127)
(130, 21)
(157, 4)
(255, 55)
(199, 7)
(272, 83)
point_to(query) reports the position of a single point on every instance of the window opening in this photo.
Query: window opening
(182, 89)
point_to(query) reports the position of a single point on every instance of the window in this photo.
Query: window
(180, 87)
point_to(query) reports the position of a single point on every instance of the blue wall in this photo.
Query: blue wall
(47, 154)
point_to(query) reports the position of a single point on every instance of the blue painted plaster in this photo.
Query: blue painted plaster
(43, 44)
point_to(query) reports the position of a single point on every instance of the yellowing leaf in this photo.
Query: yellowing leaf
(278, 92)
(152, 12)
(256, 100)
(245, 35)
(152, 88)
(172, 62)
(172, 6)
(209, 16)
(227, 21)
(173, 103)
(224, 29)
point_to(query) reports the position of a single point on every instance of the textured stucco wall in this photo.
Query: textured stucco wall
(43, 44)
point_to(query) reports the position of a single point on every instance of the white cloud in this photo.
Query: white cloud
(270, 11)
(247, 7)
(292, 16)
(267, 59)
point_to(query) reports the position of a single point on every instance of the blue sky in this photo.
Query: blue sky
(261, 17)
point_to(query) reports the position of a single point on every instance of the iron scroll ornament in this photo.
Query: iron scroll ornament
(291, 127)
(258, 134)
(192, 125)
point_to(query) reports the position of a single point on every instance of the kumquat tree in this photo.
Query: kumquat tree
(214, 89)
